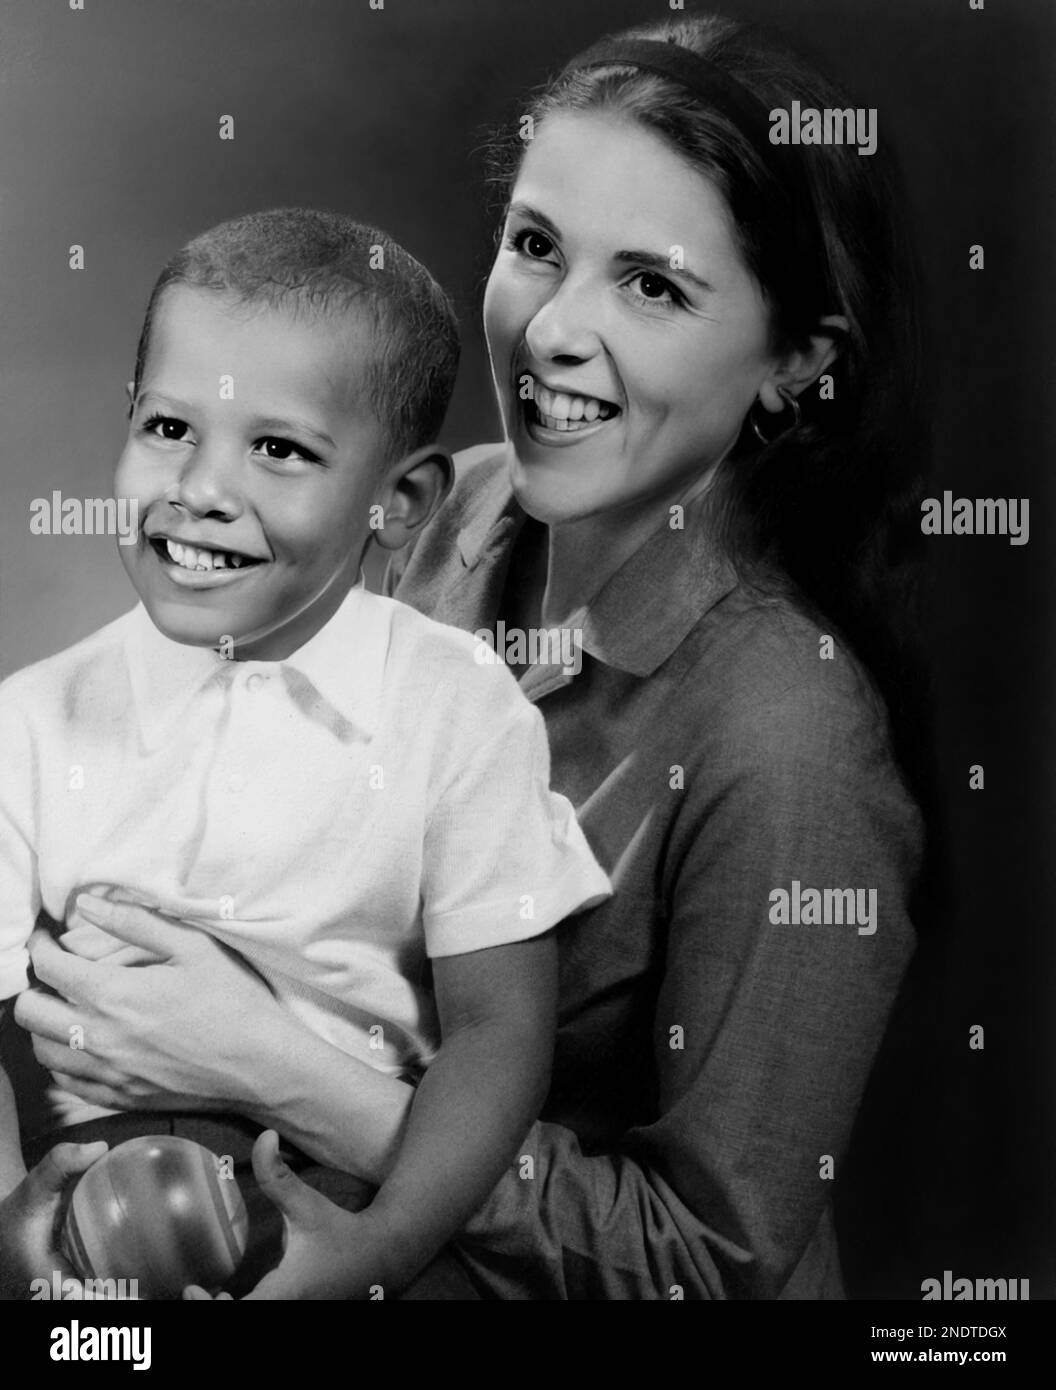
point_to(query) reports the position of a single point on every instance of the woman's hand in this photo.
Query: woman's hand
(329, 1253)
(172, 1020)
(29, 1220)
(184, 1029)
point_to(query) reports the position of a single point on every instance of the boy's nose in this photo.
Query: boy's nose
(207, 483)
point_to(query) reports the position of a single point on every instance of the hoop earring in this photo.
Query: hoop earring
(789, 401)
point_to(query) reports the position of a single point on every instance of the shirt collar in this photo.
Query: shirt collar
(649, 605)
(344, 662)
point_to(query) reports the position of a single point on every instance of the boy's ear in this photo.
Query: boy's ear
(412, 492)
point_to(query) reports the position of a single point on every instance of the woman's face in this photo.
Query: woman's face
(619, 290)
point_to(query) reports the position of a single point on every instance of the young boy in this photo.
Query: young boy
(329, 783)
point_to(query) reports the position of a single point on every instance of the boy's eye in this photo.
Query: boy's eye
(166, 427)
(535, 245)
(282, 450)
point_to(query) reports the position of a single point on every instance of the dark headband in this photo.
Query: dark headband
(712, 86)
(707, 81)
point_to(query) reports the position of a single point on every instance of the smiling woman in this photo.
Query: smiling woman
(704, 351)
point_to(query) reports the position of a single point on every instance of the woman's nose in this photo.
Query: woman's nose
(565, 326)
(207, 483)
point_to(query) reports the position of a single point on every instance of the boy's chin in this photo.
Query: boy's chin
(191, 629)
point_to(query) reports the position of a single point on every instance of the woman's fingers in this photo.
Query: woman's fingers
(108, 1097)
(133, 924)
(88, 942)
(92, 942)
(46, 1016)
(75, 1062)
(53, 966)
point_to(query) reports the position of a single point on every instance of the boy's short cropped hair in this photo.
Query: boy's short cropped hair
(325, 263)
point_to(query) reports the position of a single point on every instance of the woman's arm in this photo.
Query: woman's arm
(200, 1029)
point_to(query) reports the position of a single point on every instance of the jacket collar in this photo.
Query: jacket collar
(648, 606)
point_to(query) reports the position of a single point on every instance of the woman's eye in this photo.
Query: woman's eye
(282, 450)
(655, 288)
(535, 245)
(166, 427)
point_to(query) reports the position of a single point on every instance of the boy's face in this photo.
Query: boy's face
(249, 444)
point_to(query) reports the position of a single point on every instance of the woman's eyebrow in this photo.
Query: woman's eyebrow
(651, 261)
(531, 214)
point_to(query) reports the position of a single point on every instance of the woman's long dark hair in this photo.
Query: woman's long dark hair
(831, 508)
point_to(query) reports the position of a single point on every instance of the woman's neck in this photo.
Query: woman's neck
(581, 556)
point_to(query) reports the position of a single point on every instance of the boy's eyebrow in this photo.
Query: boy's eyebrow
(159, 396)
(287, 425)
(291, 424)
(652, 260)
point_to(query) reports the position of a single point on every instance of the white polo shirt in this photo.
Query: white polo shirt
(378, 798)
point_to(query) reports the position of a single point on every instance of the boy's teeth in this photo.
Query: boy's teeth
(190, 557)
(569, 411)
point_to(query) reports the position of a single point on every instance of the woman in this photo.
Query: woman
(703, 351)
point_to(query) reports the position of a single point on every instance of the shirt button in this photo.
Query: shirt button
(236, 782)
(254, 681)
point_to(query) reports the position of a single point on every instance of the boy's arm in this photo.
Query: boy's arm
(12, 1169)
(476, 1102)
(19, 898)
(474, 1106)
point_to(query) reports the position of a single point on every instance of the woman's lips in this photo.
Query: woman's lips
(563, 439)
(570, 408)
(563, 418)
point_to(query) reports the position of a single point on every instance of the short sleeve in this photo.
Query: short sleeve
(505, 858)
(19, 893)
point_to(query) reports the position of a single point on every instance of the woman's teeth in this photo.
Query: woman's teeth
(191, 557)
(558, 410)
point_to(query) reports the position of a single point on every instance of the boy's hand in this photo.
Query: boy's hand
(29, 1236)
(329, 1253)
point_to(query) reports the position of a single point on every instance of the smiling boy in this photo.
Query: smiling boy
(327, 782)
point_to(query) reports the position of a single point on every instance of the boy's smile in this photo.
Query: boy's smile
(254, 458)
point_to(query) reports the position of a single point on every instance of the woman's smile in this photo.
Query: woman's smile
(557, 415)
